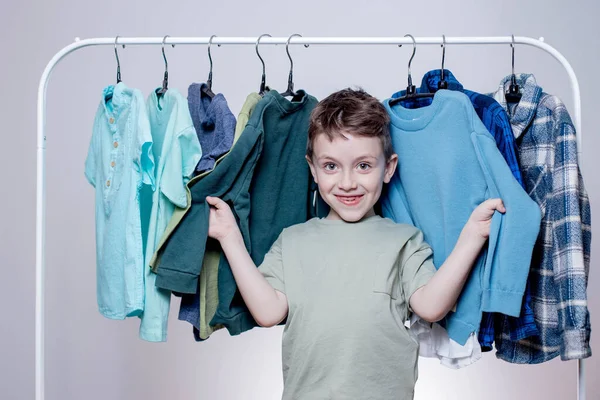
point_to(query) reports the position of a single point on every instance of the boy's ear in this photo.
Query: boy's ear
(390, 168)
(312, 168)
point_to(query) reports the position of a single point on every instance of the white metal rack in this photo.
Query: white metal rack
(79, 44)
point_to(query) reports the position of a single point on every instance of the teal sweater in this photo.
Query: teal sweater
(448, 164)
(278, 194)
(265, 179)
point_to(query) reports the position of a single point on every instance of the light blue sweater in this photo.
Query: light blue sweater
(449, 164)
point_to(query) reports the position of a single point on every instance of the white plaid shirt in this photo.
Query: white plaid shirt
(561, 258)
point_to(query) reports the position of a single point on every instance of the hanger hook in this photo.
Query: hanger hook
(118, 62)
(166, 77)
(163, 52)
(411, 57)
(442, 84)
(413, 53)
(287, 50)
(264, 75)
(209, 80)
(512, 45)
(443, 54)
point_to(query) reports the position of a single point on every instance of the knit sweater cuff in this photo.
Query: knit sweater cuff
(176, 281)
(575, 344)
(504, 302)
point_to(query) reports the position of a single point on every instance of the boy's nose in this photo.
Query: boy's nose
(347, 182)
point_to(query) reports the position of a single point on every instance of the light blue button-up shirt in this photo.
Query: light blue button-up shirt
(176, 149)
(119, 161)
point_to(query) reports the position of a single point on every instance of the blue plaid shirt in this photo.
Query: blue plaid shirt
(495, 119)
(560, 266)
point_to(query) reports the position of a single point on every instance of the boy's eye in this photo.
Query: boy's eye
(363, 166)
(329, 167)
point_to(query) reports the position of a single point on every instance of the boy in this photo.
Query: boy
(348, 282)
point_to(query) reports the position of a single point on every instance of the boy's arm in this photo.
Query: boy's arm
(267, 305)
(432, 301)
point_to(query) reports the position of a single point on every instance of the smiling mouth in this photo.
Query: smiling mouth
(349, 200)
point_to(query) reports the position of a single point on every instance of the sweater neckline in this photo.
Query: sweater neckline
(288, 106)
(414, 119)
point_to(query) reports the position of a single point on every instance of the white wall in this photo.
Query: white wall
(94, 358)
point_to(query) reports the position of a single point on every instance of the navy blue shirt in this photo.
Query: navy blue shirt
(215, 126)
(214, 123)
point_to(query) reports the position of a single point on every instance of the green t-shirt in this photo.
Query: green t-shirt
(348, 286)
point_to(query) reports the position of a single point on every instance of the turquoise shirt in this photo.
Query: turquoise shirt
(176, 149)
(118, 162)
(448, 163)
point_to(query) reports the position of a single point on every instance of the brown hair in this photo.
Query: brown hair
(353, 111)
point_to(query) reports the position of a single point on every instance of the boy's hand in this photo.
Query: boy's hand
(221, 220)
(481, 218)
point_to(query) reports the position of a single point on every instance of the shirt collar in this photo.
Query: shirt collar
(522, 113)
(113, 107)
(287, 106)
(429, 83)
(204, 108)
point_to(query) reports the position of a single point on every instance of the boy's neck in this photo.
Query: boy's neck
(334, 216)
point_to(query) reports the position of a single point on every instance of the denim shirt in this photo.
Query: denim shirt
(119, 161)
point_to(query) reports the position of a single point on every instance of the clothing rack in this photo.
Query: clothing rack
(296, 40)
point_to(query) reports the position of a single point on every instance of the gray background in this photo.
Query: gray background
(89, 357)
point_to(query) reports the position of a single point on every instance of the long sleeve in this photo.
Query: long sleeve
(513, 234)
(181, 260)
(569, 211)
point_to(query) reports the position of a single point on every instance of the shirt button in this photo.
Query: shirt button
(111, 120)
(112, 164)
(116, 144)
(108, 183)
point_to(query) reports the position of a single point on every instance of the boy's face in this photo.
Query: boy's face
(350, 173)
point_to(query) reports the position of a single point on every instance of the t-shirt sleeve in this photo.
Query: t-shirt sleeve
(179, 166)
(272, 266)
(416, 264)
(145, 160)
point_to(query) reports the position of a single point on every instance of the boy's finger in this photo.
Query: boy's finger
(497, 204)
(215, 201)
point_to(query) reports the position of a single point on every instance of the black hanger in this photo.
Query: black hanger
(108, 97)
(118, 63)
(263, 85)
(411, 91)
(513, 95)
(165, 84)
(207, 89)
(442, 84)
(290, 86)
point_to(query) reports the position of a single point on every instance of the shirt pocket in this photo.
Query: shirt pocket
(385, 276)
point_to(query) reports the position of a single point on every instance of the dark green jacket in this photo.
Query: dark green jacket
(266, 180)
